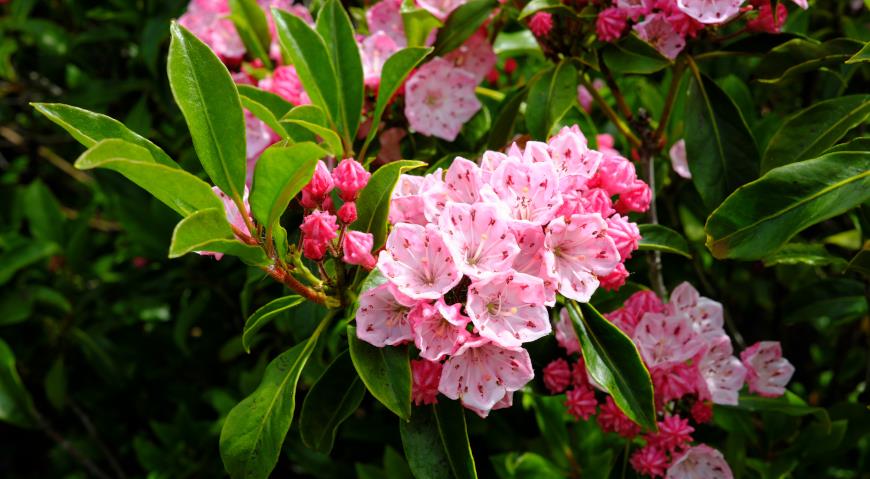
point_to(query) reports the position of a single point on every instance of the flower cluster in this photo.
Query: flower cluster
(478, 252)
(691, 361)
(666, 24)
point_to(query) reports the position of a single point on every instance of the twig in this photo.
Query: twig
(655, 259)
(669, 103)
(92, 431)
(68, 447)
(617, 93)
(614, 118)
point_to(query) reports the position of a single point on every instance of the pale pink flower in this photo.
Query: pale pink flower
(707, 315)
(425, 377)
(635, 8)
(699, 462)
(566, 336)
(208, 21)
(478, 239)
(406, 203)
(481, 374)
(475, 56)
(530, 259)
(584, 98)
(350, 178)
(374, 51)
(665, 339)
(298, 10)
(441, 9)
(234, 218)
(638, 304)
(386, 16)
(382, 318)
(357, 248)
(578, 251)
(440, 98)
(258, 137)
(508, 308)
(581, 402)
(649, 461)
(529, 191)
(610, 24)
(418, 262)
(801, 3)
(319, 226)
(557, 376)
(572, 158)
(541, 23)
(285, 83)
(438, 329)
(658, 32)
(678, 159)
(464, 181)
(723, 373)
(767, 372)
(611, 419)
(710, 11)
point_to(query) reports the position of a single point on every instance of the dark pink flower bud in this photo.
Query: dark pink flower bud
(581, 402)
(557, 376)
(541, 24)
(425, 376)
(320, 226)
(350, 177)
(357, 248)
(347, 212)
(316, 190)
(313, 250)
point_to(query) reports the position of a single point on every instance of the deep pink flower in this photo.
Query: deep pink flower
(701, 411)
(766, 21)
(610, 24)
(418, 262)
(425, 376)
(710, 11)
(616, 279)
(673, 381)
(350, 178)
(635, 8)
(357, 248)
(319, 226)
(581, 402)
(649, 461)
(285, 83)
(578, 251)
(382, 318)
(541, 23)
(508, 308)
(674, 433)
(314, 250)
(683, 24)
(557, 376)
(699, 462)
(678, 159)
(475, 56)
(478, 239)
(615, 174)
(636, 199)
(320, 185)
(767, 372)
(658, 32)
(638, 304)
(439, 329)
(611, 419)
(440, 98)
(347, 212)
(530, 191)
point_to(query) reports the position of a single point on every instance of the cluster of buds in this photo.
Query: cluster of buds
(326, 230)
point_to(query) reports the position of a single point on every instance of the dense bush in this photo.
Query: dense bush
(677, 189)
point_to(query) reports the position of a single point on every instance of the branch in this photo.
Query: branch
(614, 118)
(669, 102)
(69, 448)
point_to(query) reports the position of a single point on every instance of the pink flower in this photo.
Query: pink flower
(350, 178)
(766, 21)
(678, 159)
(285, 83)
(347, 212)
(636, 199)
(673, 381)
(385, 16)
(767, 372)
(572, 158)
(530, 260)
(578, 251)
(382, 318)
(313, 249)
(584, 98)
(425, 376)
(391, 141)
(439, 329)
(674, 433)
(234, 218)
(707, 315)
(611, 419)
(699, 462)
(801, 3)
(478, 239)
(685, 25)
(357, 248)
(702, 413)
(374, 51)
(208, 21)
(529, 190)
(319, 226)
(406, 202)
(649, 461)
(657, 31)
(566, 336)
(441, 9)
(440, 98)
(616, 279)
(258, 137)
(464, 181)
(557, 376)
(710, 11)
(638, 304)
(475, 56)
(723, 373)
(635, 8)
(610, 24)
(579, 375)
(482, 373)
(581, 402)
(541, 23)
(615, 174)
(665, 339)
(418, 262)
(508, 308)
(320, 185)
(625, 235)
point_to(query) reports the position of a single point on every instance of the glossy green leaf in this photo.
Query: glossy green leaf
(386, 372)
(274, 103)
(614, 362)
(418, 23)
(810, 132)
(503, 125)
(335, 28)
(512, 44)
(45, 220)
(265, 315)
(17, 258)
(550, 96)
(254, 430)
(633, 55)
(720, 148)
(536, 6)
(331, 140)
(827, 302)
(812, 254)
(310, 56)
(333, 398)
(89, 128)
(803, 55)
(789, 404)
(436, 442)
(176, 188)
(461, 24)
(662, 238)
(265, 115)
(208, 230)
(760, 217)
(280, 174)
(16, 406)
(252, 27)
(373, 204)
(862, 56)
(210, 103)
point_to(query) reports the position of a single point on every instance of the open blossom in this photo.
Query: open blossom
(478, 239)
(566, 336)
(418, 262)
(649, 461)
(385, 16)
(374, 51)
(580, 402)
(439, 329)
(382, 318)
(528, 190)
(557, 376)
(425, 376)
(440, 98)
(578, 251)
(508, 308)
(699, 462)
(710, 11)
(475, 56)
(723, 373)
(663, 339)
(207, 19)
(441, 9)
(679, 161)
(658, 31)
(767, 372)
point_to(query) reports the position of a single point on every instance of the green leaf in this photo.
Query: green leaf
(176, 188)
(461, 24)
(863, 55)
(276, 105)
(812, 254)
(55, 384)
(386, 373)
(333, 398)
(503, 126)
(802, 55)
(810, 132)
(536, 6)
(280, 174)
(265, 115)
(789, 404)
(662, 238)
(208, 230)
(719, 146)
(614, 362)
(436, 442)
(861, 261)
(550, 96)
(44, 216)
(373, 204)
(210, 103)
(826, 303)
(418, 23)
(512, 44)
(265, 315)
(760, 217)
(331, 140)
(393, 75)
(17, 258)
(335, 28)
(89, 128)
(254, 430)
(16, 406)
(308, 51)
(633, 55)
(252, 27)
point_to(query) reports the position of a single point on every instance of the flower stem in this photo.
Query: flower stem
(612, 115)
